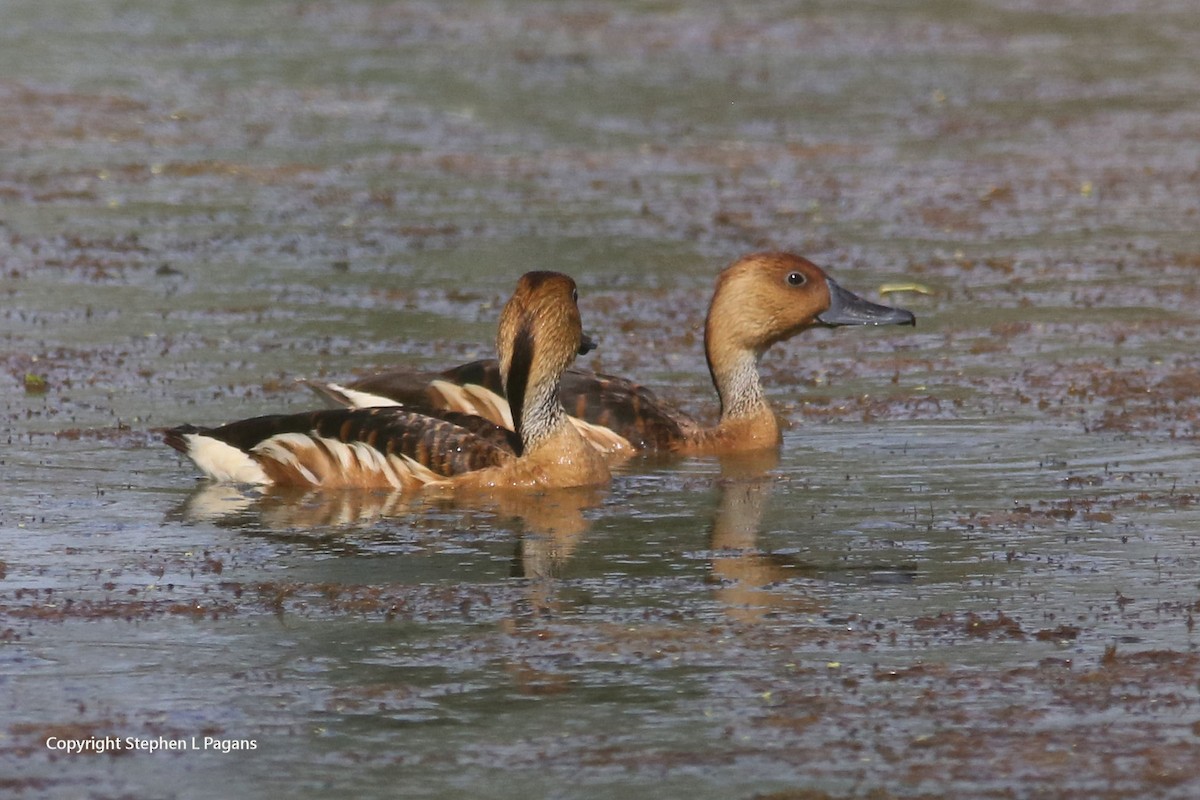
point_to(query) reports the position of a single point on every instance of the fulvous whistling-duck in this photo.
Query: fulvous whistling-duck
(759, 300)
(395, 448)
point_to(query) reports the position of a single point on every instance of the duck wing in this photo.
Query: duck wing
(374, 447)
(472, 388)
(631, 411)
(612, 412)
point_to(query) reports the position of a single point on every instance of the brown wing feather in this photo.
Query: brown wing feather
(411, 387)
(628, 409)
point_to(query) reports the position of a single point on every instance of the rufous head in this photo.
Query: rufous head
(764, 298)
(540, 334)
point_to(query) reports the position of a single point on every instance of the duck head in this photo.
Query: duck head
(540, 335)
(766, 298)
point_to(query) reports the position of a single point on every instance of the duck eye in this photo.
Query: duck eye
(574, 295)
(795, 279)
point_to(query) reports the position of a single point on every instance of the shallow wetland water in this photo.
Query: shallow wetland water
(971, 572)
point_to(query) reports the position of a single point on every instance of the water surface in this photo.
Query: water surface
(972, 570)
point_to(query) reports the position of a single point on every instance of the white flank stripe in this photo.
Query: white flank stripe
(223, 462)
(341, 451)
(282, 448)
(375, 461)
(453, 396)
(498, 404)
(356, 399)
(605, 440)
(471, 398)
(403, 465)
(399, 470)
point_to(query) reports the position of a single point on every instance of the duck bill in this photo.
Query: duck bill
(586, 345)
(847, 308)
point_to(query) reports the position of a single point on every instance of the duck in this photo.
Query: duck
(759, 300)
(400, 449)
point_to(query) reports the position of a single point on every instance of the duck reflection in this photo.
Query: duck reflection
(745, 576)
(280, 509)
(552, 522)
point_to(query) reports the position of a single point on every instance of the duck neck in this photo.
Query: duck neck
(540, 418)
(747, 421)
(736, 380)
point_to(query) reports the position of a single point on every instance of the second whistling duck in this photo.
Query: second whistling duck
(759, 300)
(399, 449)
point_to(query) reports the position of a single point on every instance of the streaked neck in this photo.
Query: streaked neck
(739, 387)
(541, 417)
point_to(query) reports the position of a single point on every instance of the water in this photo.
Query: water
(971, 571)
